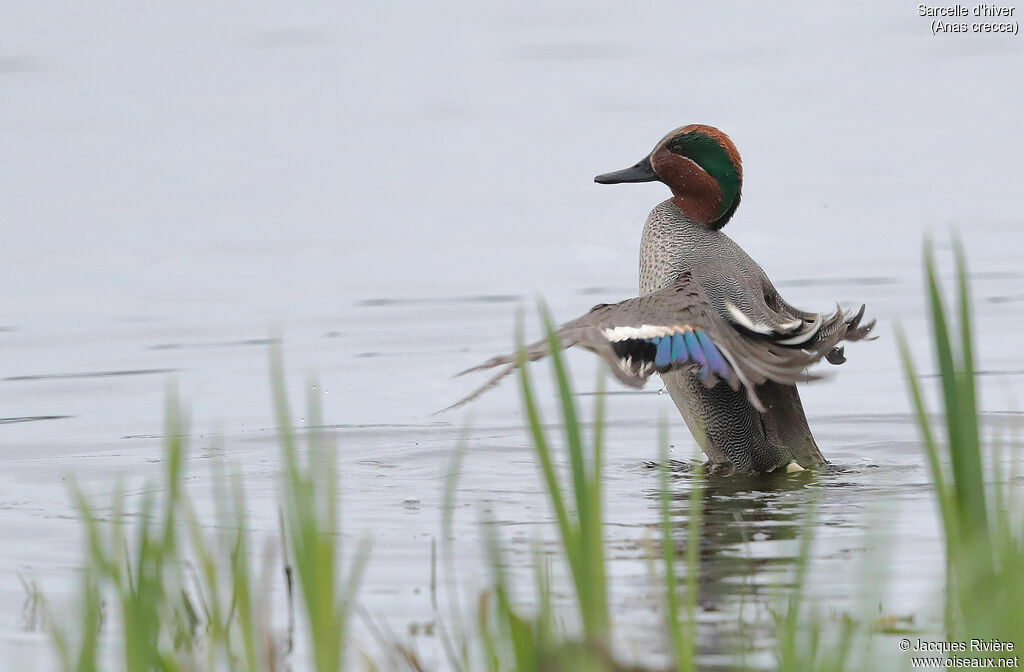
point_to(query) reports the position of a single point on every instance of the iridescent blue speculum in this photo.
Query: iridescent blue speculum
(686, 345)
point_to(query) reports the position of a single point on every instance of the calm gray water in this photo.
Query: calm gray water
(383, 184)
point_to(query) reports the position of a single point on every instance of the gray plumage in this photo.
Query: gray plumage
(729, 348)
(726, 424)
(744, 409)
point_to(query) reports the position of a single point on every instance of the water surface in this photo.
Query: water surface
(380, 186)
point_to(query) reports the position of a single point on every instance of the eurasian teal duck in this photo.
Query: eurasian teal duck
(728, 348)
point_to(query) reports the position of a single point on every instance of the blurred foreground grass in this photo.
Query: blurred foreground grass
(185, 597)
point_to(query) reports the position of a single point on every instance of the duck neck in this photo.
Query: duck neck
(697, 210)
(696, 193)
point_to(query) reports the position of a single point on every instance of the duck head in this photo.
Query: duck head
(702, 168)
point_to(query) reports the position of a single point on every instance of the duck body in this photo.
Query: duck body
(731, 431)
(729, 349)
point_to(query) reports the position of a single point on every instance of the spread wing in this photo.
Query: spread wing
(767, 314)
(678, 328)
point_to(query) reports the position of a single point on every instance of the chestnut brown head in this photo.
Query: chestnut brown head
(700, 165)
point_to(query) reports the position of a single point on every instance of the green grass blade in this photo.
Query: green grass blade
(566, 531)
(693, 536)
(677, 635)
(932, 451)
(571, 425)
(595, 488)
(589, 553)
(970, 438)
(968, 486)
(456, 654)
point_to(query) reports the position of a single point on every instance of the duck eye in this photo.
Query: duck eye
(675, 145)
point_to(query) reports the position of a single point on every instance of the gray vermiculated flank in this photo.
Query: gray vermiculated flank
(722, 420)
